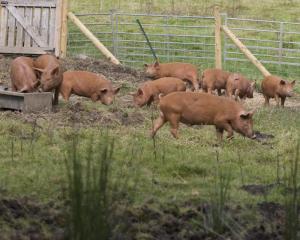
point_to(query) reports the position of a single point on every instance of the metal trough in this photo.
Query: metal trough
(26, 102)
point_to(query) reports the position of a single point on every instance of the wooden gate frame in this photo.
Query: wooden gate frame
(58, 44)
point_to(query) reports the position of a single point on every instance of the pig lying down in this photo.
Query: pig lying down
(184, 71)
(88, 84)
(202, 108)
(23, 77)
(275, 87)
(149, 91)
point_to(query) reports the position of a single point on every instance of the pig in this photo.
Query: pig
(195, 108)
(88, 84)
(213, 79)
(239, 86)
(51, 74)
(275, 87)
(184, 71)
(23, 76)
(149, 91)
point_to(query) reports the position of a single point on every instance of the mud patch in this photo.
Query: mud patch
(258, 189)
(25, 218)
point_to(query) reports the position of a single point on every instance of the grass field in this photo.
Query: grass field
(87, 165)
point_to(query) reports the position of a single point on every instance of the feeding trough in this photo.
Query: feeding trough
(26, 102)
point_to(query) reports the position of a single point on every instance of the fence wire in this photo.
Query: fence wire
(191, 39)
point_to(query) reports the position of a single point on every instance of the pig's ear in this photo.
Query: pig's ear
(145, 65)
(247, 115)
(236, 76)
(103, 90)
(140, 92)
(39, 70)
(293, 83)
(116, 90)
(132, 93)
(282, 82)
(55, 71)
(156, 64)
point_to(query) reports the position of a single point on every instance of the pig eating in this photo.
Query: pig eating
(184, 71)
(23, 77)
(149, 91)
(239, 86)
(202, 108)
(50, 74)
(88, 84)
(275, 87)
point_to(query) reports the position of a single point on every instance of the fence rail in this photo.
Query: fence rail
(191, 39)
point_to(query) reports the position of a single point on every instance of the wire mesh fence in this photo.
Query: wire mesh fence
(191, 39)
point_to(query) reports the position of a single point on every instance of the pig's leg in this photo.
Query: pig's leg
(219, 91)
(158, 123)
(174, 122)
(209, 90)
(195, 83)
(225, 125)
(277, 100)
(236, 94)
(282, 101)
(267, 99)
(56, 93)
(219, 133)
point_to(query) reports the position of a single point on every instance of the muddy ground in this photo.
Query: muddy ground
(149, 221)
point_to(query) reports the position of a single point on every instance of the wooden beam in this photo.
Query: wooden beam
(28, 28)
(23, 50)
(245, 50)
(57, 27)
(92, 37)
(31, 3)
(64, 29)
(218, 43)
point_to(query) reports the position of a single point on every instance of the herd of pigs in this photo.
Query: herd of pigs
(178, 90)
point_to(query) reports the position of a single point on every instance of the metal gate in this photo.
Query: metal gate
(30, 27)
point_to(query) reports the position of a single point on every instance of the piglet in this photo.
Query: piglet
(149, 91)
(50, 74)
(214, 79)
(184, 71)
(88, 84)
(196, 108)
(275, 87)
(239, 86)
(23, 76)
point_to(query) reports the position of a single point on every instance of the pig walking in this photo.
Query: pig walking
(213, 79)
(239, 86)
(274, 87)
(23, 77)
(51, 74)
(88, 84)
(184, 71)
(202, 108)
(149, 91)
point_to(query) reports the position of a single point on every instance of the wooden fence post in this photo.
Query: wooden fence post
(245, 50)
(92, 37)
(218, 43)
(64, 29)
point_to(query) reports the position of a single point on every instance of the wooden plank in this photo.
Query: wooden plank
(20, 32)
(93, 39)
(245, 50)
(3, 29)
(218, 43)
(52, 27)
(36, 23)
(27, 26)
(57, 27)
(45, 25)
(24, 50)
(64, 29)
(11, 23)
(31, 3)
(28, 17)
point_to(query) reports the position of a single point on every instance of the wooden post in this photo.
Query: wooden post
(64, 29)
(218, 43)
(92, 37)
(245, 50)
(58, 27)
